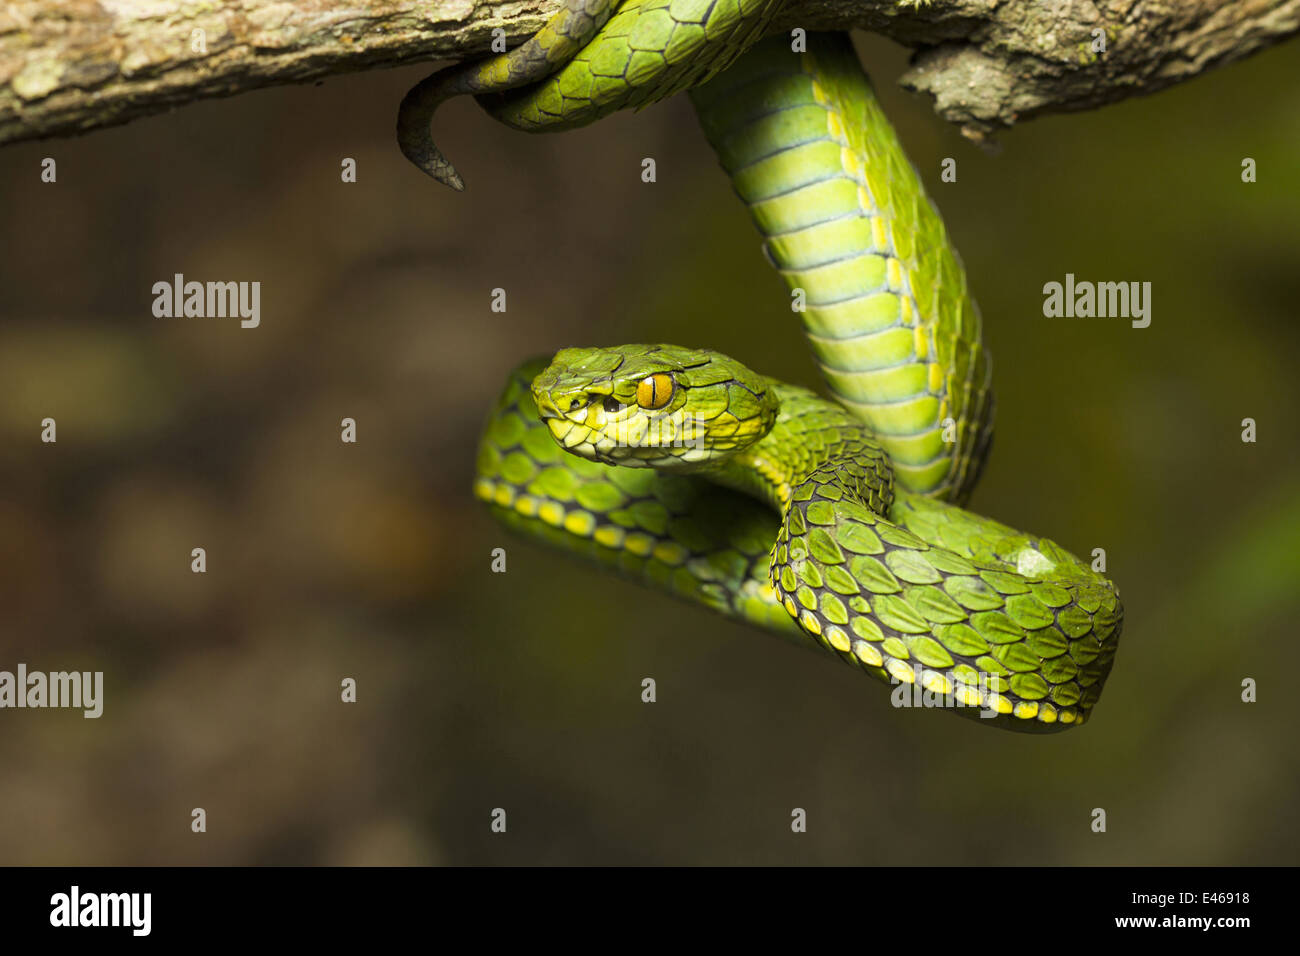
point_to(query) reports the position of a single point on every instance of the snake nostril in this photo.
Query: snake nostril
(545, 406)
(575, 404)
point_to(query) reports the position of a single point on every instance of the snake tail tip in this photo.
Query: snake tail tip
(443, 171)
(450, 179)
(435, 167)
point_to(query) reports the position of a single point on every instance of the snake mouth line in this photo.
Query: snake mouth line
(635, 448)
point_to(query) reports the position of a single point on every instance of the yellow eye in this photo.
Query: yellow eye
(654, 391)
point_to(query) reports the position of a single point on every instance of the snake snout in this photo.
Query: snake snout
(564, 405)
(545, 406)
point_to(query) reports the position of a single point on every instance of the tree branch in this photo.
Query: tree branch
(69, 66)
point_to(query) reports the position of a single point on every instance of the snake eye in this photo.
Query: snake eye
(655, 390)
(612, 404)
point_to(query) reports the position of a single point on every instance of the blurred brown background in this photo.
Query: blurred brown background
(522, 690)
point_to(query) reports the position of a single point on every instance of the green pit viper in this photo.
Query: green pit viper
(665, 463)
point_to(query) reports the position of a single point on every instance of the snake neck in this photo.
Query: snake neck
(815, 450)
(846, 221)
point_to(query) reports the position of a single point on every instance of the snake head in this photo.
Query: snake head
(657, 406)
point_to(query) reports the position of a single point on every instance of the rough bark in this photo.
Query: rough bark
(69, 66)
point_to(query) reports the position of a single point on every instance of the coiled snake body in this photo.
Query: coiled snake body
(873, 558)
